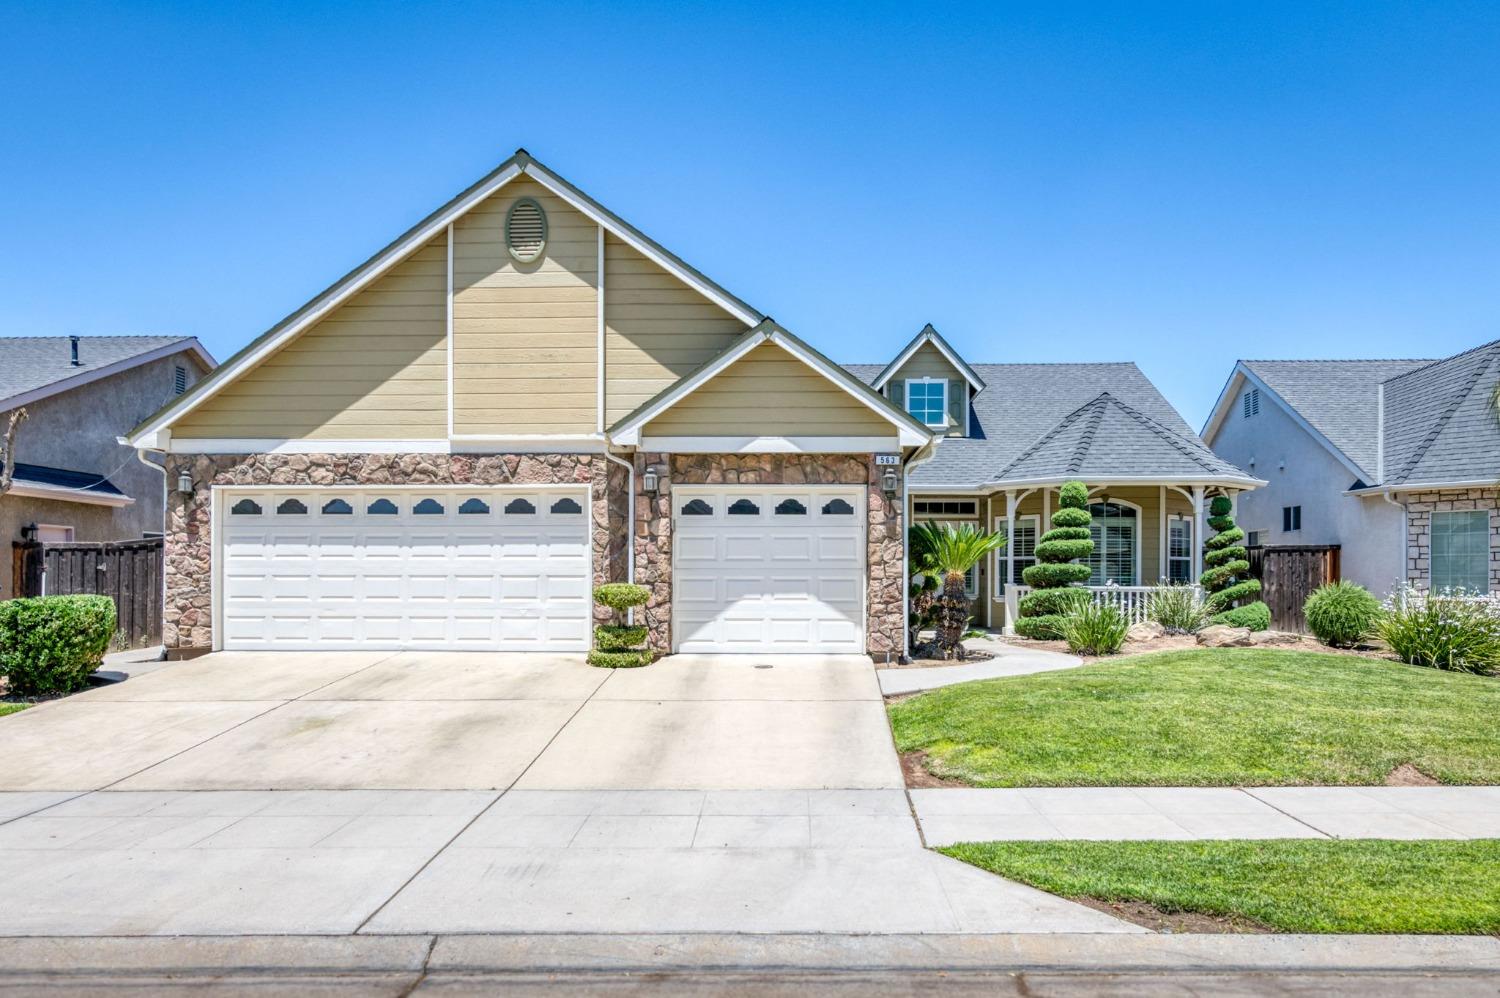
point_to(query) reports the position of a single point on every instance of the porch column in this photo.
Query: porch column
(1199, 529)
(1010, 559)
(1163, 564)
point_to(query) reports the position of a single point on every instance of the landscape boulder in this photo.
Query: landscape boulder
(1222, 636)
(1146, 630)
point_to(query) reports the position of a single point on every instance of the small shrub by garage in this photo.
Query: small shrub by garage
(615, 645)
(1341, 613)
(52, 643)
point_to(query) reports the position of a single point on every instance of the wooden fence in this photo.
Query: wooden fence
(129, 572)
(1288, 575)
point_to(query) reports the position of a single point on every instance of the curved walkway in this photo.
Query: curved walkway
(1009, 660)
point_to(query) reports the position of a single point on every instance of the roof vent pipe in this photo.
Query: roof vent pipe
(73, 351)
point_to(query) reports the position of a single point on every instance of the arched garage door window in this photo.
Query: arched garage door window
(1116, 534)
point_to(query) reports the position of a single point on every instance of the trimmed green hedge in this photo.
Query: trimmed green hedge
(52, 643)
(1072, 518)
(1256, 616)
(620, 659)
(1043, 602)
(1048, 576)
(621, 595)
(619, 637)
(1042, 612)
(1059, 549)
(1341, 613)
(1226, 580)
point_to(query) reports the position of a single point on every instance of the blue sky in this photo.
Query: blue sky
(1178, 185)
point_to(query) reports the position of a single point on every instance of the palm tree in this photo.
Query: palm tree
(947, 552)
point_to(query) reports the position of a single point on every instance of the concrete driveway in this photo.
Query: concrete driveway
(451, 792)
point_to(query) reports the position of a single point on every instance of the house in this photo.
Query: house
(1013, 433)
(524, 395)
(1396, 461)
(74, 481)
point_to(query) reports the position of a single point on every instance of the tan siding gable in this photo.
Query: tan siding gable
(525, 334)
(928, 362)
(376, 367)
(768, 392)
(657, 329)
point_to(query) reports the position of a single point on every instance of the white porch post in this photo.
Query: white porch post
(1162, 567)
(1199, 529)
(1010, 556)
(985, 525)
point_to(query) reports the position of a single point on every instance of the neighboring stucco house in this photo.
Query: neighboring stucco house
(74, 480)
(524, 395)
(1013, 433)
(1396, 461)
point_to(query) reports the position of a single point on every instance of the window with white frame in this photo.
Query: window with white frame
(927, 400)
(1020, 547)
(1179, 549)
(1461, 550)
(1115, 535)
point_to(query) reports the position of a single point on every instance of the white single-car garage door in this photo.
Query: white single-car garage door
(483, 568)
(768, 569)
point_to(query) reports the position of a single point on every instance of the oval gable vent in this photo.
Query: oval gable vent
(526, 230)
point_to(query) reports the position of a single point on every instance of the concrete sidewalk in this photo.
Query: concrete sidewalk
(975, 815)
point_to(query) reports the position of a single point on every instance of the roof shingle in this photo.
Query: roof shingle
(31, 362)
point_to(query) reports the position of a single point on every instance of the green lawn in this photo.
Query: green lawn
(1292, 885)
(11, 708)
(1209, 717)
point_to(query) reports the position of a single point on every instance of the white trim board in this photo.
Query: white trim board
(187, 344)
(59, 493)
(769, 445)
(342, 290)
(474, 445)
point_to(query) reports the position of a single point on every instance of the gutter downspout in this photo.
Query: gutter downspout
(140, 455)
(1403, 581)
(923, 454)
(629, 524)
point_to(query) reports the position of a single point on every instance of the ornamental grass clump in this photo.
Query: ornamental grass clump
(1341, 614)
(1054, 577)
(1095, 629)
(1444, 631)
(616, 646)
(1178, 609)
(1227, 580)
(52, 644)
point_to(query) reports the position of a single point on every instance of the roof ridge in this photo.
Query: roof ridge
(1442, 360)
(1335, 360)
(1086, 439)
(1441, 423)
(1177, 440)
(1055, 429)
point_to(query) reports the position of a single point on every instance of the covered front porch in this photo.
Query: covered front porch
(1145, 533)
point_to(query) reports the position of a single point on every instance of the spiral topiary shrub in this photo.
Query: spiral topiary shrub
(1055, 595)
(616, 645)
(1341, 613)
(1226, 581)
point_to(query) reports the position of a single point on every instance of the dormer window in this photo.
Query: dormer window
(927, 400)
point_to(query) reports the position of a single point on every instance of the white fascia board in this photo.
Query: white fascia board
(36, 490)
(187, 344)
(958, 362)
(770, 445)
(985, 488)
(1375, 490)
(554, 184)
(1226, 400)
(467, 445)
(350, 286)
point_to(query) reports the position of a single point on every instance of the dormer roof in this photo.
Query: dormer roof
(928, 335)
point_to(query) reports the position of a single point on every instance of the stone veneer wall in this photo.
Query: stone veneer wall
(884, 632)
(187, 624)
(1419, 509)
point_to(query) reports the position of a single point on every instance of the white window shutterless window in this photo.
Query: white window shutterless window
(927, 400)
(1461, 550)
(1179, 549)
(1115, 534)
(1020, 546)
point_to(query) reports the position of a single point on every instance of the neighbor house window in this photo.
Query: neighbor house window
(1114, 534)
(1020, 546)
(1179, 549)
(1291, 518)
(1461, 550)
(1252, 539)
(927, 400)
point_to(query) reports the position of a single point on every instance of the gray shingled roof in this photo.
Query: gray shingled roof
(1439, 421)
(1033, 407)
(31, 362)
(1338, 397)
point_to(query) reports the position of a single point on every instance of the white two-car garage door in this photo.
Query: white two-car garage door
(768, 569)
(482, 568)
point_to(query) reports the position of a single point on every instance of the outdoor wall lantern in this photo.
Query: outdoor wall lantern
(185, 484)
(889, 482)
(649, 481)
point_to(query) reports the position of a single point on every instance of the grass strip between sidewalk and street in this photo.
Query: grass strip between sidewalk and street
(1209, 717)
(1286, 885)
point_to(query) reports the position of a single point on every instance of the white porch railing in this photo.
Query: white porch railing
(1133, 601)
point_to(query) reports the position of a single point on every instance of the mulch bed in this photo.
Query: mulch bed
(1149, 915)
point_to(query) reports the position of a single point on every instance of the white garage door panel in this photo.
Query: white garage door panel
(405, 568)
(786, 573)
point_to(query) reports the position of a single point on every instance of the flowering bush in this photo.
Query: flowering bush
(1447, 630)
